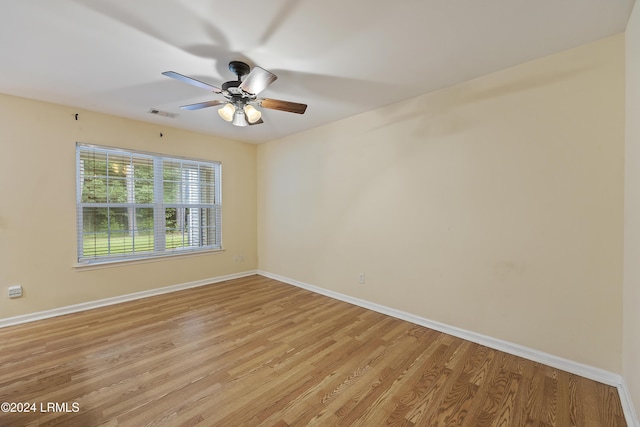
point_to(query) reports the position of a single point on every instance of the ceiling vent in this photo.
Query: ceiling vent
(162, 113)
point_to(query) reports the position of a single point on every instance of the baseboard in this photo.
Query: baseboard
(586, 371)
(627, 405)
(32, 317)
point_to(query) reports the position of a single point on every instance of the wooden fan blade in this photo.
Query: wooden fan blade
(257, 122)
(257, 80)
(290, 107)
(191, 81)
(200, 105)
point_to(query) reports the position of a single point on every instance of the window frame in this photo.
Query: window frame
(213, 210)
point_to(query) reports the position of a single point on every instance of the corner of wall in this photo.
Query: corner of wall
(631, 278)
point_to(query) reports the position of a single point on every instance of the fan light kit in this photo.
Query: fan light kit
(241, 95)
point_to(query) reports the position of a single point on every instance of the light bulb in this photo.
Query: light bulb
(226, 112)
(253, 115)
(239, 119)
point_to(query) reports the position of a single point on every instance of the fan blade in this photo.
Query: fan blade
(257, 122)
(257, 80)
(191, 81)
(290, 107)
(200, 105)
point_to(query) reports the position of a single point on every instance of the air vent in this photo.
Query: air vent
(162, 113)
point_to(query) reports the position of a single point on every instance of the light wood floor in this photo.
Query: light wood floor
(255, 351)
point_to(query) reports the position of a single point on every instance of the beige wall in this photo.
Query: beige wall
(631, 352)
(37, 205)
(495, 205)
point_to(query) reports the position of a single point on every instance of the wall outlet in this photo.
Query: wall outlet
(361, 278)
(15, 291)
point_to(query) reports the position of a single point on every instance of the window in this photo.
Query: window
(133, 205)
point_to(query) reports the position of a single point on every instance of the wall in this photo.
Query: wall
(495, 206)
(37, 205)
(631, 348)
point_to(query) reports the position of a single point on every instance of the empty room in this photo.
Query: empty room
(292, 213)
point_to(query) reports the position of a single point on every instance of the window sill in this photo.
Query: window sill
(157, 258)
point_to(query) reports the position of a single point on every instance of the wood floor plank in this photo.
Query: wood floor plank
(257, 352)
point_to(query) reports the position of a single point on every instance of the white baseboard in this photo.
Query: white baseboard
(567, 365)
(32, 317)
(627, 405)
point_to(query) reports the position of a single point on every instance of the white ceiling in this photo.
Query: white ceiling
(341, 57)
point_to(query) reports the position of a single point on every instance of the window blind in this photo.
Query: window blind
(134, 205)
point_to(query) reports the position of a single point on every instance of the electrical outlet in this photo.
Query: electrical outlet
(241, 258)
(361, 278)
(15, 291)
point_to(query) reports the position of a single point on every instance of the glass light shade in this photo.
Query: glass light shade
(253, 115)
(226, 112)
(239, 118)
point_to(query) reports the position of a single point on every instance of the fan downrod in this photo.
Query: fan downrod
(239, 68)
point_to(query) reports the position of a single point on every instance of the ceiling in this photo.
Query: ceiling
(339, 57)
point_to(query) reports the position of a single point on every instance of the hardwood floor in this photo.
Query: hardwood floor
(255, 351)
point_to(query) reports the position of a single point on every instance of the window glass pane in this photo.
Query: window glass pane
(142, 168)
(93, 164)
(182, 228)
(192, 227)
(95, 220)
(95, 244)
(120, 242)
(119, 219)
(210, 227)
(94, 190)
(143, 191)
(174, 240)
(118, 166)
(92, 174)
(207, 194)
(144, 220)
(171, 170)
(211, 216)
(117, 190)
(171, 219)
(207, 174)
(190, 172)
(143, 241)
(95, 231)
(143, 233)
(174, 227)
(209, 236)
(190, 192)
(172, 192)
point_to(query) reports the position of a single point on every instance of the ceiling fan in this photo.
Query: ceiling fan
(241, 95)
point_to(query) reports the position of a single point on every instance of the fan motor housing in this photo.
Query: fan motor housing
(233, 92)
